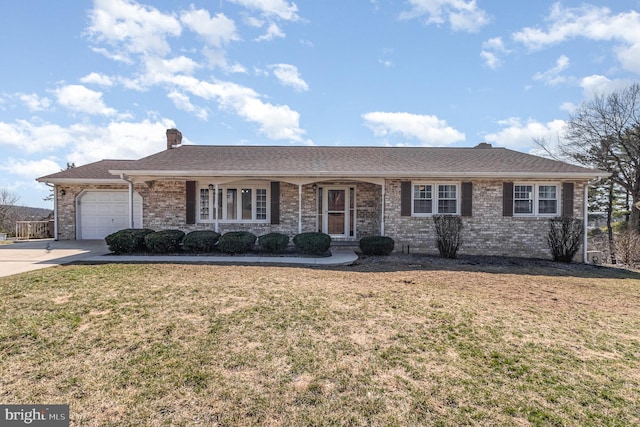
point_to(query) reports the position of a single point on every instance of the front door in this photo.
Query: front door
(338, 211)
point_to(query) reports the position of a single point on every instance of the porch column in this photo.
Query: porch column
(299, 208)
(124, 177)
(215, 209)
(382, 212)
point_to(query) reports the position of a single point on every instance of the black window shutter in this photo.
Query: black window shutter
(191, 202)
(567, 199)
(507, 199)
(405, 198)
(467, 198)
(275, 202)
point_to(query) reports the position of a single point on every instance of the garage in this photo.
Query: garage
(101, 213)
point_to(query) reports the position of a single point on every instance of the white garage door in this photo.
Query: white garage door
(104, 212)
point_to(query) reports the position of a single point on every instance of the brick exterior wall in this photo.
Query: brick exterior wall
(487, 232)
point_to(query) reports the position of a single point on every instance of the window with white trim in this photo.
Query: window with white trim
(236, 203)
(431, 199)
(535, 199)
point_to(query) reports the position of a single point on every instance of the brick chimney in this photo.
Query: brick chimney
(481, 145)
(174, 138)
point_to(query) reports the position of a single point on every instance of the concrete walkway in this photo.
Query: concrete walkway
(338, 257)
(29, 255)
(23, 256)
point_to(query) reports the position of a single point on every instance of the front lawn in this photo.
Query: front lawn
(244, 345)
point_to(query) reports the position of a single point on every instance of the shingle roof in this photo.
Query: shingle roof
(274, 161)
(91, 171)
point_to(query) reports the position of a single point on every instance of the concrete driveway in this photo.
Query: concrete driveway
(31, 255)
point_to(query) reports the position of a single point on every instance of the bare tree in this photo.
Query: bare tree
(7, 204)
(605, 133)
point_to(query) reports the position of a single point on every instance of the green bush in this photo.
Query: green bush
(273, 243)
(312, 243)
(127, 241)
(164, 242)
(200, 241)
(564, 238)
(449, 235)
(236, 242)
(376, 245)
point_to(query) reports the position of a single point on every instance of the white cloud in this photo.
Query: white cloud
(34, 102)
(596, 85)
(277, 122)
(79, 98)
(289, 75)
(590, 22)
(552, 76)
(280, 9)
(131, 28)
(182, 102)
(30, 168)
(428, 129)
(462, 15)
(34, 137)
(273, 32)
(520, 135)
(118, 140)
(97, 79)
(491, 50)
(216, 30)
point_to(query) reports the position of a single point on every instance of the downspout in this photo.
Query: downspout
(124, 177)
(55, 210)
(299, 208)
(585, 202)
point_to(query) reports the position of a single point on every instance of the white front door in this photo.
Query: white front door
(338, 211)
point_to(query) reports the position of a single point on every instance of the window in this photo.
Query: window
(535, 199)
(442, 197)
(523, 199)
(242, 203)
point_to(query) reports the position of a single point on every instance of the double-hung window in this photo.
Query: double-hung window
(432, 199)
(241, 203)
(535, 199)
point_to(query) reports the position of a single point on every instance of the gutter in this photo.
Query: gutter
(184, 174)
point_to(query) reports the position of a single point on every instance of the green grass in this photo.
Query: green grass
(242, 345)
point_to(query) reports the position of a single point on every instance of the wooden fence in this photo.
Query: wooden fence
(32, 230)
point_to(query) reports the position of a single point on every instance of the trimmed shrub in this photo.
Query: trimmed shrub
(273, 243)
(564, 238)
(200, 241)
(164, 242)
(449, 235)
(236, 242)
(127, 241)
(312, 243)
(376, 245)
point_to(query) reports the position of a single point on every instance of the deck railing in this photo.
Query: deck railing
(32, 230)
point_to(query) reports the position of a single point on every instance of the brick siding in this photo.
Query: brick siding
(487, 232)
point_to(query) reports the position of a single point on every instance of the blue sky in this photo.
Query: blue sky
(84, 81)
